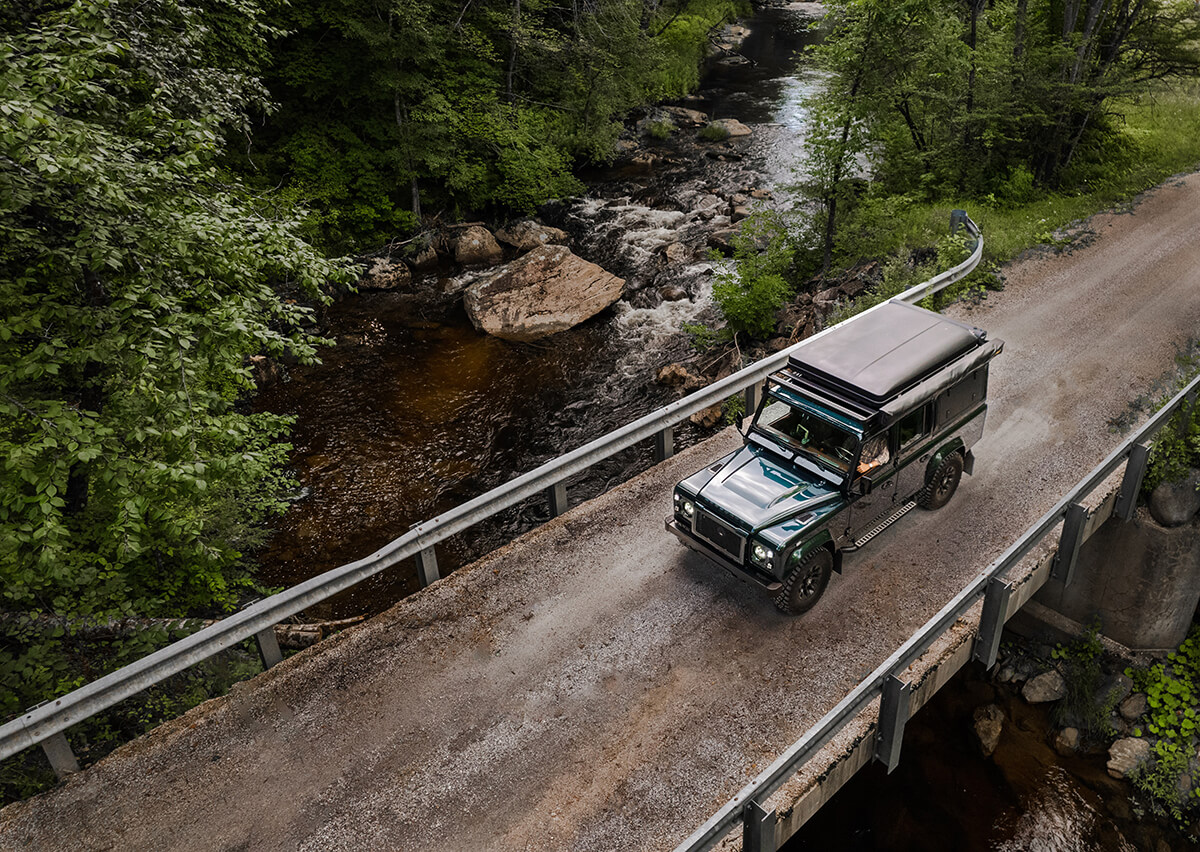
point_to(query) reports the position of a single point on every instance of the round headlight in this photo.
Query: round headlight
(761, 554)
(688, 508)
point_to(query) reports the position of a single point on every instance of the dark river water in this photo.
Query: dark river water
(415, 412)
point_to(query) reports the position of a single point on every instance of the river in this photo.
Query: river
(415, 412)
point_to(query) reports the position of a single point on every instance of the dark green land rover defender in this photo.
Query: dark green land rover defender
(864, 423)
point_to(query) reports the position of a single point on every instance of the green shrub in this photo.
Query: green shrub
(661, 130)
(713, 133)
(751, 294)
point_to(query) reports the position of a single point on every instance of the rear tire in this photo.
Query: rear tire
(943, 483)
(805, 583)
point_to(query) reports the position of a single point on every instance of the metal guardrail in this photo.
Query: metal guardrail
(46, 723)
(886, 683)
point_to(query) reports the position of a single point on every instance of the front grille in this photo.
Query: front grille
(720, 535)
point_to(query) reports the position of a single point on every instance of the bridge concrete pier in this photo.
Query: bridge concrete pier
(1140, 579)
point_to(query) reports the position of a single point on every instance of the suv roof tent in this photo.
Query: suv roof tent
(871, 361)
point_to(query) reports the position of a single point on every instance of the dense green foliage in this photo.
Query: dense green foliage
(954, 99)
(1172, 691)
(391, 110)
(135, 280)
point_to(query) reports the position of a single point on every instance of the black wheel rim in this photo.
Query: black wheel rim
(807, 587)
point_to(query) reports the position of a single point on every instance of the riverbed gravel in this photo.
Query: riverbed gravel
(594, 686)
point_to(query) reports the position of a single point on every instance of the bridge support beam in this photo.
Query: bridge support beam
(893, 715)
(758, 828)
(427, 567)
(1069, 544)
(556, 496)
(664, 444)
(753, 395)
(58, 752)
(1131, 482)
(268, 647)
(991, 622)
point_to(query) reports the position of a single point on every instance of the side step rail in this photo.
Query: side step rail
(887, 522)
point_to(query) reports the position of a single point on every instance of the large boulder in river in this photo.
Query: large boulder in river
(476, 246)
(528, 234)
(540, 293)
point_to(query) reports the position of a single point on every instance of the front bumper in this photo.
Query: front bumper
(760, 579)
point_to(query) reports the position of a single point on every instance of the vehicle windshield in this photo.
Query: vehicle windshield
(826, 443)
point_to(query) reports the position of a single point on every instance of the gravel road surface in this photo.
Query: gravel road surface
(593, 685)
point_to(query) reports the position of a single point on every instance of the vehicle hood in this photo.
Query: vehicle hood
(762, 490)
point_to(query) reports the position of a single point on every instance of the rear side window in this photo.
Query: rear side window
(912, 427)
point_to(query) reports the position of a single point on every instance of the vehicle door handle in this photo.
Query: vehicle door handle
(887, 484)
(925, 457)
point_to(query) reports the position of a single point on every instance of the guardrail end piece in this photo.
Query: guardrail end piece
(758, 828)
(58, 752)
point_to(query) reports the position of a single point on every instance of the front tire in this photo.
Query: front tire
(943, 483)
(805, 583)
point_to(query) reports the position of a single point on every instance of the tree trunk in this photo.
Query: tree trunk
(513, 34)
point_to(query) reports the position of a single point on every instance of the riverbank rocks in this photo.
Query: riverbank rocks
(1067, 741)
(385, 274)
(1173, 504)
(476, 246)
(708, 418)
(1048, 686)
(989, 724)
(527, 235)
(678, 376)
(1133, 706)
(540, 293)
(732, 127)
(684, 117)
(1124, 756)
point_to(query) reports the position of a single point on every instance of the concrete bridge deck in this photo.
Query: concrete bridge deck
(595, 686)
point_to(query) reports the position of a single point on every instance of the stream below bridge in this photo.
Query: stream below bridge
(414, 412)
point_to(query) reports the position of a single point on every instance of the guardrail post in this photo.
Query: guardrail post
(1068, 544)
(268, 647)
(893, 714)
(556, 496)
(753, 394)
(58, 752)
(991, 621)
(427, 567)
(664, 443)
(758, 828)
(1131, 483)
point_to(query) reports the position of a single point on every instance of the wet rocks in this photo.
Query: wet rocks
(385, 274)
(1048, 686)
(671, 293)
(476, 246)
(684, 117)
(543, 292)
(1124, 756)
(678, 376)
(731, 126)
(527, 235)
(1173, 504)
(989, 724)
